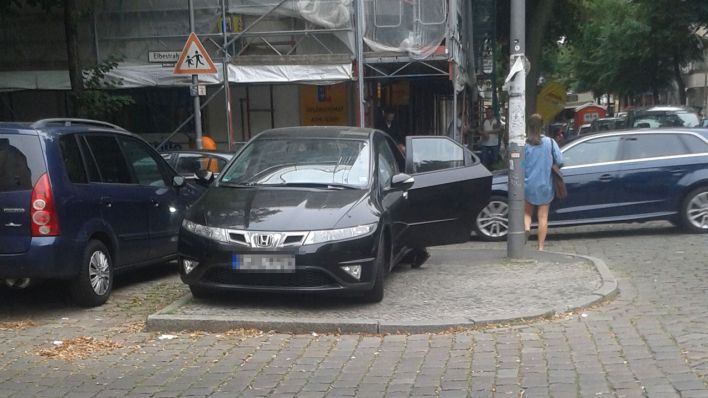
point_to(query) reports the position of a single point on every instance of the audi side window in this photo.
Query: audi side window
(73, 163)
(694, 144)
(144, 165)
(644, 146)
(598, 150)
(109, 159)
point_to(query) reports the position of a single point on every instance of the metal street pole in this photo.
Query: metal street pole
(516, 82)
(195, 88)
(360, 60)
(225, 77)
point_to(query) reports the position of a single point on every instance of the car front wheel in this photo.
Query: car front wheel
(492, 222)
(694, 212)
(94, 284)
(381, 264)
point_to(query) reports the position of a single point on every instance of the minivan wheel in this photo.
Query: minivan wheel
(492, 222)
(94, 284)
(694, 212)
(376, 294)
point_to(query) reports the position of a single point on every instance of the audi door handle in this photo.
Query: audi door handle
(606, 177)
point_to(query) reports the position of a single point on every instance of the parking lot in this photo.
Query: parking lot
(649, 341)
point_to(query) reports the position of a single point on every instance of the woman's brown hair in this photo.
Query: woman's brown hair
(533, 135)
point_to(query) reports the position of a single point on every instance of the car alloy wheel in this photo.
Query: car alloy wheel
(93, 285)
(99, 273)
(695, 210)
(381, 264)
(492, 222)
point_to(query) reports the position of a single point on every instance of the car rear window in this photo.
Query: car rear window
(21, 162)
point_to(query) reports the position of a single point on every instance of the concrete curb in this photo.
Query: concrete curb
(166, 319)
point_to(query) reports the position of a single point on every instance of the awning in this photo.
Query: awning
(134, 76)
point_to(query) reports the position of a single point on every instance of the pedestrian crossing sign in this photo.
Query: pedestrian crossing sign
(194, 60)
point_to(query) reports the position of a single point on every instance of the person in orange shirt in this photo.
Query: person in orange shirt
(209, 163)
(208, 143)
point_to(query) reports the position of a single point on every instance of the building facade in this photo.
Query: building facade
(287, 63)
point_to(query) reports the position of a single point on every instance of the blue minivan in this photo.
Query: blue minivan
(81, 200)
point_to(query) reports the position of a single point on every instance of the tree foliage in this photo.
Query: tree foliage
(633, 47)
(96, 102)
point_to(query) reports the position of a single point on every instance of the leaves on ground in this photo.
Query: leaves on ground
(78, 348)
(16, 325)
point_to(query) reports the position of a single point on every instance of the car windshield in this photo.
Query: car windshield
(665, 119)
(301, 161)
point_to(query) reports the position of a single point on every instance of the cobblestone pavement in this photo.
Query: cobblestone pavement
(458, 286)
(652, 340)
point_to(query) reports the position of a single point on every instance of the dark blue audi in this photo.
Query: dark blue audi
(622, 176)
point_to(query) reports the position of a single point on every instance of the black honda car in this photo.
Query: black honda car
(328, 209)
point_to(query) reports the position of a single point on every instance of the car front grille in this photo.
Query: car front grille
(300, 278)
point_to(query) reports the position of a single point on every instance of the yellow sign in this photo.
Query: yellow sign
(550, 101)
(324, 105)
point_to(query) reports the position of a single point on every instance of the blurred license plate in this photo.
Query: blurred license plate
(263, 262)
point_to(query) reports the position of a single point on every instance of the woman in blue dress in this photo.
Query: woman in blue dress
(539, 154)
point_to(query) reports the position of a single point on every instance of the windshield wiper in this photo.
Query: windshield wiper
(312, 185)
(237, 185)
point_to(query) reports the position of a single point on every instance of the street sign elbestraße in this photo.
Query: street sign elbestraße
(163, 57)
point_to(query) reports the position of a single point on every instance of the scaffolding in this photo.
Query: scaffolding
(289, 41)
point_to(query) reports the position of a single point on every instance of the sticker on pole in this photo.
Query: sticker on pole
(194, 60)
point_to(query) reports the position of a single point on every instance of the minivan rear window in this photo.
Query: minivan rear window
(21, 162)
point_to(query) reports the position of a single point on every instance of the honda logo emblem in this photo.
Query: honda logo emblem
(262, 240)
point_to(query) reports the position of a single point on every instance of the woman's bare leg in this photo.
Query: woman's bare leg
(528, 212)
(542, 214)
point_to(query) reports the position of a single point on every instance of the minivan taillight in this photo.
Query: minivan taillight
(43, 215)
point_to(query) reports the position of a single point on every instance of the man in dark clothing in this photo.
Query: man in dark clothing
(390, 126)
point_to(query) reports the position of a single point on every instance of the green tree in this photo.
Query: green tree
(88, 100)
(631, 47)
(94, 101)
(547, 22)
(672, 36)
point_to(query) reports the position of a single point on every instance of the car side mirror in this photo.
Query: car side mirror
(178, 181)
(204, 177)
(402, 182)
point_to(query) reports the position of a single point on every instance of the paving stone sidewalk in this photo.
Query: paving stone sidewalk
(459, 286)
(650, 341)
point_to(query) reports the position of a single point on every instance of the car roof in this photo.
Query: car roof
(663, 108)
(342, 132)
(678, 130)
(63, 126)
(200, 152)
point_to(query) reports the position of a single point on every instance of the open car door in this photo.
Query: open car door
(451, 187)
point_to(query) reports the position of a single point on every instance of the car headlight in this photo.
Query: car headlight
(328, 235)
(218, 234)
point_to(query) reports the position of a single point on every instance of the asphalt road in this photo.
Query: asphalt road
(651, 340)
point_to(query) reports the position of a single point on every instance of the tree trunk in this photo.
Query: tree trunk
(71, 27)
(679, 81)
(536, 28)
